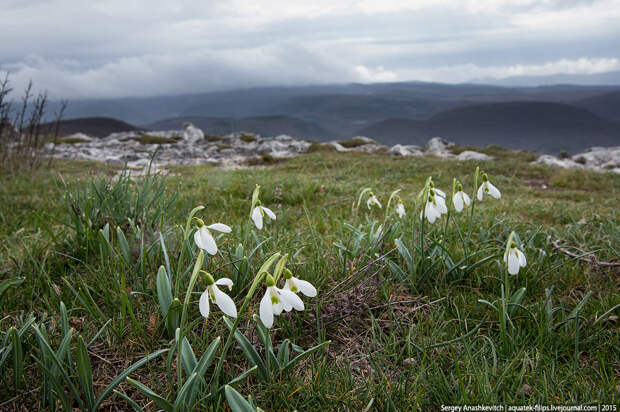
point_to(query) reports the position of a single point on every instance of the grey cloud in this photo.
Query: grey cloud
(116, 48)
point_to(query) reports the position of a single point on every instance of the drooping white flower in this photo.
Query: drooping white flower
(372, 200)
(259, 212)
(400, 209)
(221, 299)
(439, 192)
(514, 258)
(275, 301)
(203, 238)
(297, 285)
(434, 207)
(460, 200)
(487, 188)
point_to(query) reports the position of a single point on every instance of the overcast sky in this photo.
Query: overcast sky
(114, 48)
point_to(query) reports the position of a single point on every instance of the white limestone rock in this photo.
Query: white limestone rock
(438, 146)
(405, 150)
(192, 134)
(471, 155)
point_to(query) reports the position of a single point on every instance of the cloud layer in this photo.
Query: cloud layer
(113, 48)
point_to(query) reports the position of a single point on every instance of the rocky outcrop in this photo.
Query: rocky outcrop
(600, 159)
(192, 134)
(190, 146)
(185, 147)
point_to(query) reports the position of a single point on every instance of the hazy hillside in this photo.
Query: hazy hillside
(263, 125)
(544, 127)
(338, 111)
(92, 126)
(605, 105)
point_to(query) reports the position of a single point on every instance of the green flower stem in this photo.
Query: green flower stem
(186, 232)
(257, 280)
(188, 294)
(473, 204)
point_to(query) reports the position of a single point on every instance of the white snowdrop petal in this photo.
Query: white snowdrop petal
(466, 198)
(457, 201)
(220, 227)
(198, 239)
(266, 311)
(292, 299)
(279, 307)
(257, 217)
(480, 191)
(203, 304)
(493, 191)
(441, 205)
(225, 282)
(305, 287)
(225, 302)
(208, 241)
(513, 263)
(439, 192)
(522, 260)
(269, 213)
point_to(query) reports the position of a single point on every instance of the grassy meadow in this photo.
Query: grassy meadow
(100, 286)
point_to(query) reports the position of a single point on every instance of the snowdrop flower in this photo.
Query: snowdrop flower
(259, 212)
(275, 301)
(487, 188)
(435, 206)
(460, 198)
(221, 299)
(203, 237)
(514, 258)
(297, 285)
(400, 209)
(372, 200)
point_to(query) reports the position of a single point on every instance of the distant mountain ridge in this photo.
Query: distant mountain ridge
(540, 126)
(92, 126)
(263, 125)
(340, 111)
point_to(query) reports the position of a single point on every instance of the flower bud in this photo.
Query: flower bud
(269, 280)
(287, 274)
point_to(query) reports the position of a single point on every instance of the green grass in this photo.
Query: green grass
(150, 139)
(407, 333)
(353, 142)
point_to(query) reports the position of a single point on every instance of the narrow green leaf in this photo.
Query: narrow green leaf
(250, 352)
(187, 356)
(124, 246)
(85, 373)
(236, 402)
(164, 291)
(159, 401)
(126, 373)
(305, 355)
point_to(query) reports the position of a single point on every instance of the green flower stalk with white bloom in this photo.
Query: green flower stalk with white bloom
(460, 199)
(296, 285)
(203, 237)
(258, 211)
(373, 201)
(213, 293)
(487, 188)
(400, 206)
(248, 297)
(514, 258)
(434, 206)
(276, 300)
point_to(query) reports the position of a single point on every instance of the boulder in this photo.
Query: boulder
(405, 150)
(471, 155)
(554, 161)
(192, 134)
(438, 146)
